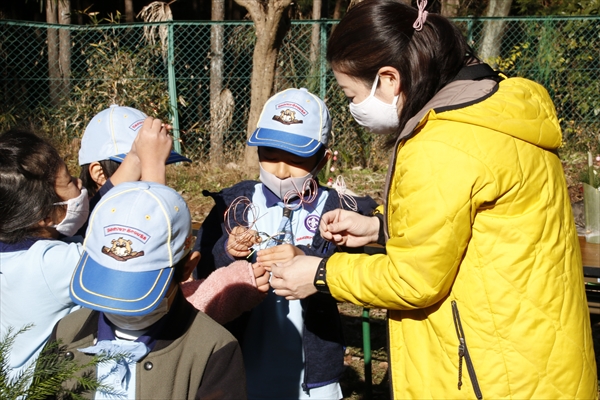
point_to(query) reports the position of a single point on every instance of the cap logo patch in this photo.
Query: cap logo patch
(287, 117)
(136, 125)
(126, 230)
(295, 106)
(121, 250)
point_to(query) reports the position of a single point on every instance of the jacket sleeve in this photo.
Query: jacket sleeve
(224, 376)
(226, 293)
(436, 191)
(212, 236)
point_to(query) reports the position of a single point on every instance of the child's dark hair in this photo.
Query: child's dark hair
(378, 33)
(28, 169)
(109, 167)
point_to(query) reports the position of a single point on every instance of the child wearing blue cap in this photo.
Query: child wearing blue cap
(134, 255)
(292, 349)
(41, 206)
(105, 144)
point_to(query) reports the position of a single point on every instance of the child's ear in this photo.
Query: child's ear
(97, 173)
(44, 228)
(324, 160)
(46, 222)
(192, 261)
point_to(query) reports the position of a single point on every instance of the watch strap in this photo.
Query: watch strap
(320, 281)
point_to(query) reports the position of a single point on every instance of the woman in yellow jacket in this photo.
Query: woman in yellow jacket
(483, 276)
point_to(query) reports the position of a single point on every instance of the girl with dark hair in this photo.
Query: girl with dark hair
(482, 272)
(39, 199)
(41, 207)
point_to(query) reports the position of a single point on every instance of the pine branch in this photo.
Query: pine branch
(49, 375)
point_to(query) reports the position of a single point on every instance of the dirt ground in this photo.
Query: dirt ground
(353, 380)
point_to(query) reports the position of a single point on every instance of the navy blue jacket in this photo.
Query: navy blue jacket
(322, 331)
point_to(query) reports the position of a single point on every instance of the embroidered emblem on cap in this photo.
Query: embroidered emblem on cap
(121, 250)
(287, 117)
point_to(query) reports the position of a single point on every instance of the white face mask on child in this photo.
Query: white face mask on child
(375, 115)
(284, 188)
(139, 322)
(78, 210)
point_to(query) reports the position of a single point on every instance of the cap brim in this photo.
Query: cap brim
(296, 144)
(128, 293)
(174, 157)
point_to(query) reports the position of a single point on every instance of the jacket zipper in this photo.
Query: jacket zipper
(463, 352)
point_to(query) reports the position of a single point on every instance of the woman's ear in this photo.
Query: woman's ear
(389, 79)
(97, 173)
(323, 162)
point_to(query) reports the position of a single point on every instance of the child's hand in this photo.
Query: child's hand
(278, 254)
(262, 277)
(241, 239)
(153, 145)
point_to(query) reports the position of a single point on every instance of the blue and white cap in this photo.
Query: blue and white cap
(136, 235)
(110, 134)
(293, 120)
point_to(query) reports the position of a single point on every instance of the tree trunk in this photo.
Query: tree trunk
(337, 11)
(129, 13)
(216, 81)
(450, 8)
(315, 46)
(493, 31)
(314, 38)
(272, 24)
(54, 81)
(64, 37)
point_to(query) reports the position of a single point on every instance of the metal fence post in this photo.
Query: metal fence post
(366, 329)
(323, 60)
(173, 91)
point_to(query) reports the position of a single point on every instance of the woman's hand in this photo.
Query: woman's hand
(278, 254)
(295, 279)
(241, 240)
(348, 228)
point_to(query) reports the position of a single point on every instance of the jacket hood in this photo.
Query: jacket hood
(516, 107)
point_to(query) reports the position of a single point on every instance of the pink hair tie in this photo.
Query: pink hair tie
(422, 17)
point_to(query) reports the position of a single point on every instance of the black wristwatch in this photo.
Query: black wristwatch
(381, 235)
(320, 281)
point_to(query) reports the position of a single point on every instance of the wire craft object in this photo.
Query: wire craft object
(241, 216)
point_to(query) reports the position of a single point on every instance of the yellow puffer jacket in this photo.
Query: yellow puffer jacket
(478, 216)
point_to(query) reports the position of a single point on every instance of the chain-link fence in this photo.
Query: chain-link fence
(58, 77)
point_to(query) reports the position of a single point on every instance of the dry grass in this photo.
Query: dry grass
(191, 180)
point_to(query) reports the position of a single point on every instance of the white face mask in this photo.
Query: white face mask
(375, 115)
(78, 210)
(139, 322)
(287, 188)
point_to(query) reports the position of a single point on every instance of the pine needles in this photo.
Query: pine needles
(53, 376)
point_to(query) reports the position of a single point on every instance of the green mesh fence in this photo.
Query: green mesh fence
(58, 77)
